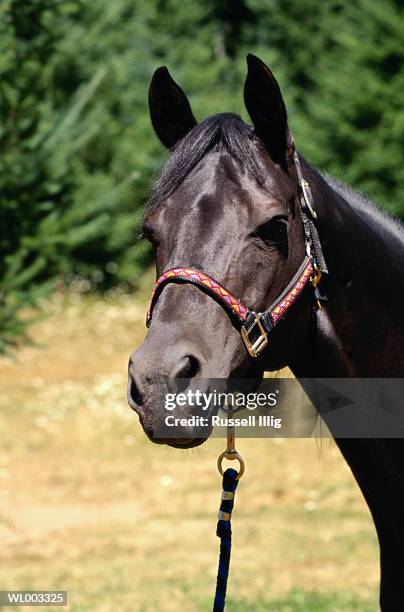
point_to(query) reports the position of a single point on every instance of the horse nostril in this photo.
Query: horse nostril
(135, 393)
(187, 367)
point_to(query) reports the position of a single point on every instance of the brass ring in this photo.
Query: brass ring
(231, 456)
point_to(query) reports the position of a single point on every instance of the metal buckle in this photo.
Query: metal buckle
(308, 198)
(314, 280)
(255, 348)
(231, 456)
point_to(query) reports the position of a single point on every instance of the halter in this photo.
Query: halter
(255, 327)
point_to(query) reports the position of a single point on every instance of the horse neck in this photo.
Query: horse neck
(359, 331)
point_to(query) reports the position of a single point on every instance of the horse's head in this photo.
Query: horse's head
(226, 204)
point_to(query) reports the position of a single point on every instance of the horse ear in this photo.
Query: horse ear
(170, 111)
(265, 105)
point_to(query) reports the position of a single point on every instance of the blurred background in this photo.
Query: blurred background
(86, 503)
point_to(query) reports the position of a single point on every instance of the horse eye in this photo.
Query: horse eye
(274, 231)
(149, 234)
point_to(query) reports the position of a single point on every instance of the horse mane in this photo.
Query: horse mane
(382, 222)
(226, 130)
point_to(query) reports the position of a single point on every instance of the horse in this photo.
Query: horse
(228, 202)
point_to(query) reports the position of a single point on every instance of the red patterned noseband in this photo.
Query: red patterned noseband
(204, 282)
(254, 327)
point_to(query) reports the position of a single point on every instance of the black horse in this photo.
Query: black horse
(228, 203)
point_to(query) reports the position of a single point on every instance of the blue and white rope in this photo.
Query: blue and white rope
(223, 531)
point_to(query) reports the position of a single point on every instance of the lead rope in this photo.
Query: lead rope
(223, 529)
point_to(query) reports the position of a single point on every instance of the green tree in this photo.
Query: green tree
(357, 111)
(341, 66)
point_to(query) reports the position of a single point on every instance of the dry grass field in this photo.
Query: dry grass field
(88, 505)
